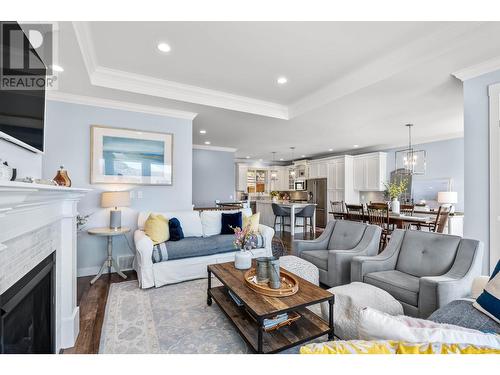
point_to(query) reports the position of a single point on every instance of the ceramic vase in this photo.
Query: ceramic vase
(243, 260)
(395, 206)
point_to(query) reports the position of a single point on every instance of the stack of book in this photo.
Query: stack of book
(276, 321)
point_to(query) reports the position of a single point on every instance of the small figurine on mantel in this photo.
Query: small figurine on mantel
(62, 178)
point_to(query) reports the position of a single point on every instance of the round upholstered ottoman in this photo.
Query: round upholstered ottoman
(350, 299)
(301, 268)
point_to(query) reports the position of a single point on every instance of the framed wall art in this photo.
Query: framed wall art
(126, 156)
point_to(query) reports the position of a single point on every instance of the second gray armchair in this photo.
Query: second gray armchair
(424, 271)
(338, 244)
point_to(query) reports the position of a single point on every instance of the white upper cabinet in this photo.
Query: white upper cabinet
(370, 171)
(241, 174)
(318, 170)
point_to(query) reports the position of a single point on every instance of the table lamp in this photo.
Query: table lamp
(115, 199)
(448, 197)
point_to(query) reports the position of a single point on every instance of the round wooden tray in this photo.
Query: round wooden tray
(289, 284)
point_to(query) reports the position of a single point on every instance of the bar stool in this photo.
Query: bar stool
(281, 212)
(307, 213)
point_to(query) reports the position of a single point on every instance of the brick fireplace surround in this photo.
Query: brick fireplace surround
(36, 220)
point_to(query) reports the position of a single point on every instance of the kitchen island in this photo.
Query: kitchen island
(267, 215)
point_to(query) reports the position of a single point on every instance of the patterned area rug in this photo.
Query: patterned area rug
(171, 319)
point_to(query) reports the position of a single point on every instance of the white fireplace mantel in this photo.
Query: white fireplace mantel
(36, 220)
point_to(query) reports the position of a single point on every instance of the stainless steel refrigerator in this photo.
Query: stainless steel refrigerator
(316, 189)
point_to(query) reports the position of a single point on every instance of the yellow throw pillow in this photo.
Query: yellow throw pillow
(156, 228)
(351, 347)
(392, 347)
(253, 221)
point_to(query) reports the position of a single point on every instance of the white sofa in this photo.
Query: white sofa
(193, 224)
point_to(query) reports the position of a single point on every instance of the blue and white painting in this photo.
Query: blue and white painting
(133, 157)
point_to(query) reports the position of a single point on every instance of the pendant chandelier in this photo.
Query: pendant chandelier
(274, 173)
(292, 172)
(410, 161)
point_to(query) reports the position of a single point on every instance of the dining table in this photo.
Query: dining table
(398, 220)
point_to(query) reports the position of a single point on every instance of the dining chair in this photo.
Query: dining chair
(378, 214)
(407, 210)
(337, 209)
(355, 212)
(441, 219)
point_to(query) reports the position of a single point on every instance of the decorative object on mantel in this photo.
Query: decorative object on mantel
(448, 197)
(289, 284)
(125, 156)
(394, 190)
(245, 240)
(62, 178)
(411, 160)
(115, 199)
(7, 173)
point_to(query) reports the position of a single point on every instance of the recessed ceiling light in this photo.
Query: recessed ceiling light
(281, 159)
(248, 157)
(203, 132)
(355, 146)
(163, 47)
(207, 142)
(302, 156)
(57, 68)
(282, 80)
(330, 149)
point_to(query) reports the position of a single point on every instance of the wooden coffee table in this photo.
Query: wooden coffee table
(249, 318)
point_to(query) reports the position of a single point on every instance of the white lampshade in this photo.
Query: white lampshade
(447, 197)
(115, 199)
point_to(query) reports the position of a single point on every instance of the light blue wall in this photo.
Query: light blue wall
(213, 177)
(476, 132)
(445, 159)
(68, 144)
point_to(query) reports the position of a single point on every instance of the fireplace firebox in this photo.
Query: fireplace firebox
(27, 312)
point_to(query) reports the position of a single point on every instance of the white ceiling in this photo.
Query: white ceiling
(349, 82)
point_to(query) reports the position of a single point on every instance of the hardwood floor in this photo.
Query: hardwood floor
(92, 301)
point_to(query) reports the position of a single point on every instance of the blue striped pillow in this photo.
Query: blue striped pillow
(489, 301)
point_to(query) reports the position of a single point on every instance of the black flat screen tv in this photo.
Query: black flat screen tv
(22, 112)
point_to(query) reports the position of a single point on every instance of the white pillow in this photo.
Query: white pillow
(376, 325)
(190, 221)
(211, 221)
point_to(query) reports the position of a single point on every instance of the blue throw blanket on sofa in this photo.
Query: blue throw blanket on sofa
(191, 247)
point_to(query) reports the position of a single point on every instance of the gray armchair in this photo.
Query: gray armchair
(422, 270)
(333, 250)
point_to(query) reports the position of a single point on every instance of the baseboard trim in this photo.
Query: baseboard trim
(91, 271)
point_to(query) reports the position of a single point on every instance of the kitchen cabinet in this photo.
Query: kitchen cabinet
(370, 171)
(336, 174)
(318, 170)
(241, 175)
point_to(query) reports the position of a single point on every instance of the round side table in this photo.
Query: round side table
(109, 262)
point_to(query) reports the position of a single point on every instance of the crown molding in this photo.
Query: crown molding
(142, 84)
(214, 148)
(84, 39)
(478, 69)
(59, 96)
(121, 80)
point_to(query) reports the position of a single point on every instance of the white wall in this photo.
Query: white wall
(213, 177)
(445, 159)
(476, 131)
(27, 163)
(68, 144)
